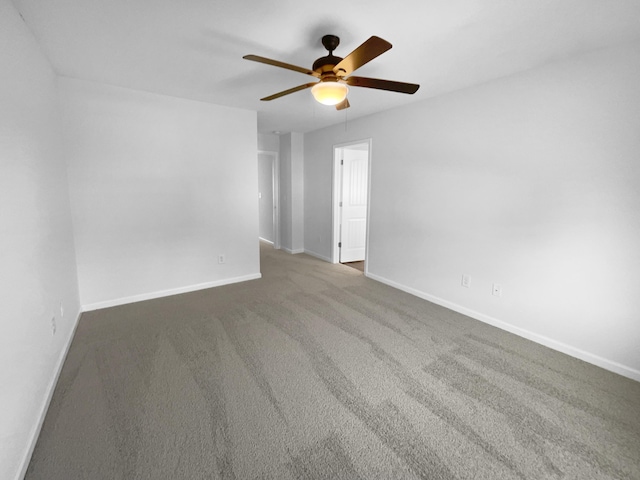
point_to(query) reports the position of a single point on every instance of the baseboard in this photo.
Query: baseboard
(265, 240)
(588, 357)
(167, 293)
(293, 252)
(47, 401)
(317, 255)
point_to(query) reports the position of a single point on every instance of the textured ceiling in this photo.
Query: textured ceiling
(194, 48)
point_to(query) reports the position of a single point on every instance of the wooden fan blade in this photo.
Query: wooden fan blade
(276, 63)
(390, 85)
(343, 104)
(287, 92)
(363, 54)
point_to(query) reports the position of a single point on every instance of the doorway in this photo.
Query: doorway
(351, 164)
(269, 218)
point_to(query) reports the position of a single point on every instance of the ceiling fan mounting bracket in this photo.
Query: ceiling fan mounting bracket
(330, 42)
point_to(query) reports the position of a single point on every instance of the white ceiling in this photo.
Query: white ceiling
(194, 48)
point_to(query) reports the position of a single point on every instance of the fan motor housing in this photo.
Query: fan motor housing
(326, 64)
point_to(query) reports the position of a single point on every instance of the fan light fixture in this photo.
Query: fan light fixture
(330, 93)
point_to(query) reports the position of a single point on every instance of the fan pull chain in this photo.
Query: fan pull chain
(346, 110)
(315, 122)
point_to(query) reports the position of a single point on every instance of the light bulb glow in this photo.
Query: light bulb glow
(329, 93)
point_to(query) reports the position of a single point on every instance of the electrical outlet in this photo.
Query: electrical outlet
(466, 281)
(53, 325)
(221, 259)
(497, 290)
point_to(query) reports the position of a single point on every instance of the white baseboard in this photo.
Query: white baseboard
(588, 357)
(35, 433)
(293, 252)
(166, 293)
(317, 255)
(265, 240)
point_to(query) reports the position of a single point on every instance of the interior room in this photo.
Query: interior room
(148, 194)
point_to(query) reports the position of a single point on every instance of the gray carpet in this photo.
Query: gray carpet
(316, 372)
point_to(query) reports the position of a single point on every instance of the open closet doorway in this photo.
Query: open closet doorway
(351, 162)
(269, 218)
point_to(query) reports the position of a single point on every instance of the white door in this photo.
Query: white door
(353, 222)
(266, 166)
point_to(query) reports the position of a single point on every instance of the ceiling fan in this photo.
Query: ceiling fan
(334, 73)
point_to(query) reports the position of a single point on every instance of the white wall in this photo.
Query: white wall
(160, 187)
(37, 263)
(529, 181)
(268, 142)
(297, 192)
(292, 192)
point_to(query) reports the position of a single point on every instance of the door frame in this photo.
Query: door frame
(275, 181)
(337, 191)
